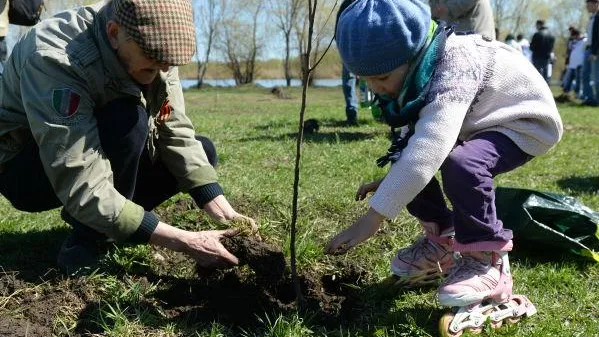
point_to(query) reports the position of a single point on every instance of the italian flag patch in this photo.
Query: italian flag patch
(65, 101)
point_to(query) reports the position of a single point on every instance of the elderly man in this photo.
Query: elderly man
(92, 118)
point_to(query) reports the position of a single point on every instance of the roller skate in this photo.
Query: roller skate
(425, 261)
(479, 289)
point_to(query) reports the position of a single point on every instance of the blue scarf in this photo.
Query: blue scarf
(404, 110)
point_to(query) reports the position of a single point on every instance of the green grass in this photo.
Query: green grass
(255, 135)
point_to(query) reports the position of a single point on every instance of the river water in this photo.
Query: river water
(267, 83)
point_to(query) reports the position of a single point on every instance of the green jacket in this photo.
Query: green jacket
(68, 56)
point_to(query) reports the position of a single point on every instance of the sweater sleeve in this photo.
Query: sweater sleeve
(452, 91)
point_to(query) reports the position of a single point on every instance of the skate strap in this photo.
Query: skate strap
(483, 246)
(503, 290)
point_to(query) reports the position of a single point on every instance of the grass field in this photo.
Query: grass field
(144, 291)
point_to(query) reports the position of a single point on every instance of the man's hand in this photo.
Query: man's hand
(220, 210)
(365, 227)
(204, 246)
(367, 188)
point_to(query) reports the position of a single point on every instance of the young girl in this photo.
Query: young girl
(474, 108)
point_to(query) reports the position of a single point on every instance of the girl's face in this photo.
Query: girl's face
(388, 84)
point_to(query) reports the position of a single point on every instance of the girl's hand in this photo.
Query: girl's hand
(365, 227)
(367, 188)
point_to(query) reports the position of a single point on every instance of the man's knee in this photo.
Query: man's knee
(31, 204)
(209, 148)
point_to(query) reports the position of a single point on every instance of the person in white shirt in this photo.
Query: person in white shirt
(525, 45)
(573, 75)
(511, 41)
(590, 66)
(474, 108)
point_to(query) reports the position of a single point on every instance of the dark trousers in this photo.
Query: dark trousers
(3, 53)
(467, 175)
(348, 82)
(123, 130)
(542, 65)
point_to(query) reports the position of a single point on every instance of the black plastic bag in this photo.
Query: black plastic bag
(24, 12)
(549, 220)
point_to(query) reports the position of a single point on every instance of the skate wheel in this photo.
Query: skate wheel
(512, 320)
(496, 325)
(444, 323)
(475, 331)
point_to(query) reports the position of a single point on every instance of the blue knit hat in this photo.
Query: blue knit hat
(376, 36)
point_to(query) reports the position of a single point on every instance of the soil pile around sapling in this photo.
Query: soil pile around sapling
(262, 283)
(266, 260)
(182, 294)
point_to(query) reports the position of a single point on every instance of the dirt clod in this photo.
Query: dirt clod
(266, 260)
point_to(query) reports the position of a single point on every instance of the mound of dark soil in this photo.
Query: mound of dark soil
(236, 298)
(30, 311)
(239, 295)
(266, 260)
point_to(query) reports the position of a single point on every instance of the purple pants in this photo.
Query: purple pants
(467, 175)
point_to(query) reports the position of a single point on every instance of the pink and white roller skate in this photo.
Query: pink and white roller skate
(479, 289)
(425, 261)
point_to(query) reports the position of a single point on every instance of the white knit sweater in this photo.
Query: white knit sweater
(478, 86)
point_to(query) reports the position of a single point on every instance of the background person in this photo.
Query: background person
(573, 76)
(525, 44)
(348, 83)
(590, 66)
(541, 47)
(467, 15)
(510, 40)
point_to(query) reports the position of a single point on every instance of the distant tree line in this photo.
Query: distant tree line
(238, 32)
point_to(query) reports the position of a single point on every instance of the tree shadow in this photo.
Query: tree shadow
(338, 123)
(322, 122)
(317, 137)
(31, 255)
(580, 185)
(275, 125)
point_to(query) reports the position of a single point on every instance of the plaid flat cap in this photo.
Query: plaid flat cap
(163, 29)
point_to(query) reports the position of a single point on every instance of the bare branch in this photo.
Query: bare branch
(306, 70)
